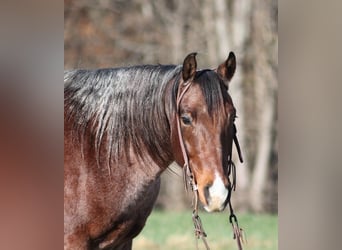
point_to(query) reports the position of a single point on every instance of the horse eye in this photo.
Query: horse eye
(186, 119)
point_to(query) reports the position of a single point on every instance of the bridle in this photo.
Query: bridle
(189, 179)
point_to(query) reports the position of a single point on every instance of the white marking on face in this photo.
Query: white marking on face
(217, 195)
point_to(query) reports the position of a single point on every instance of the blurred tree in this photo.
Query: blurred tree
(263, 43)
(110, 33)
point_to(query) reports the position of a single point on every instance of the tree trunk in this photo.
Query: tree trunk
(172, 193)
(221, 28)
(263, 156)
(265, 81)
(208, 20)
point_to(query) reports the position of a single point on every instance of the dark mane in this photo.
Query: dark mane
(213, 89)
(119, 108)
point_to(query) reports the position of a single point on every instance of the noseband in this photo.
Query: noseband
(189, 179)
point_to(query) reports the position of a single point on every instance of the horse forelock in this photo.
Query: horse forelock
(213, 89)
(120, 109)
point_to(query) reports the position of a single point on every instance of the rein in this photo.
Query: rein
(189, 180)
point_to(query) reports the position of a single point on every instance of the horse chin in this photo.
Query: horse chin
(215, 207)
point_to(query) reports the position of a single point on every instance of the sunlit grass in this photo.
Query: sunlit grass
(174, 230)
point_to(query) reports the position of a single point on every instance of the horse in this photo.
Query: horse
(123, 127)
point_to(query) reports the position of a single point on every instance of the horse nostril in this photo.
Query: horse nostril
(206, 193)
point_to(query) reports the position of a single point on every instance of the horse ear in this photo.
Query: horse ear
(227, 69)
(189, 67)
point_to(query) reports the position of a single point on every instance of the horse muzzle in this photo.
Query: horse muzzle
(216, 195)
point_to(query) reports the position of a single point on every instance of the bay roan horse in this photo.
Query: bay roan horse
(121, 133)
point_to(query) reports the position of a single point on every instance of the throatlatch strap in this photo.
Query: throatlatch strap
(237, 144)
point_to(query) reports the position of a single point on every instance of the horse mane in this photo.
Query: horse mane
(119, 108)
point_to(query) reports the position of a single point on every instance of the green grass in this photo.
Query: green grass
(174, 230)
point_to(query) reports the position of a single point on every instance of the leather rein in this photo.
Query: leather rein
(189, 180)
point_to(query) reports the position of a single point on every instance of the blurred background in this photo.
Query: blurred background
(111, 33)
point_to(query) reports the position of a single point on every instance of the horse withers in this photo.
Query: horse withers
(124, 127)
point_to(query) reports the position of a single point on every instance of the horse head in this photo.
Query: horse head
(205, 126)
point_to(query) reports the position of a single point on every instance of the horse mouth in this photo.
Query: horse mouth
(216, 203)
(215, 206)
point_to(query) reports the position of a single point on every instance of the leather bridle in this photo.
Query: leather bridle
(189, 178)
